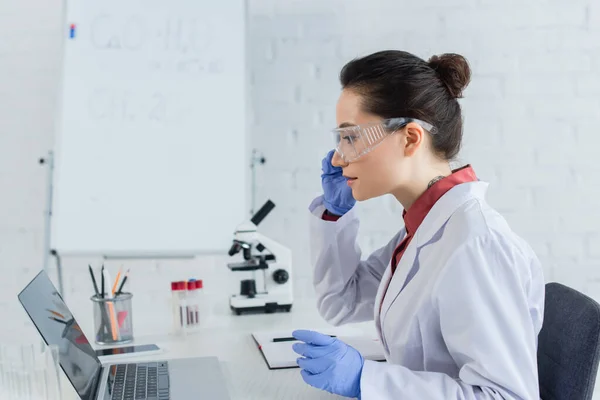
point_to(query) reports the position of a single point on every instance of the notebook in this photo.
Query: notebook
(276, 346)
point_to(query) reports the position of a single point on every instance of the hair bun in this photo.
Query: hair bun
(454, 72)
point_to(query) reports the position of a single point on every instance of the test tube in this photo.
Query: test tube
(202, 304)
(4, 382)
(28, 367)
(27, 373)
(53, 390)
(192, 294)
(183, 306)
(176, 306)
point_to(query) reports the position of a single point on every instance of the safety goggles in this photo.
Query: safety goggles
(352, 142)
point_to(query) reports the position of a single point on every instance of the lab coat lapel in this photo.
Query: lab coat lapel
(437, 216)
(380, 293)
(385, 280)
(402, 269)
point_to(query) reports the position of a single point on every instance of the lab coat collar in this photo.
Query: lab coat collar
(437, 216)
(446, 206)
(414, 216)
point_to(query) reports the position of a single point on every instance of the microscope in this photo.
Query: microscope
(261, 253)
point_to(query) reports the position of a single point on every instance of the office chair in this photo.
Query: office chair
(568, 345)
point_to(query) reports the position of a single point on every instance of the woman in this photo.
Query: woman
(457, 297)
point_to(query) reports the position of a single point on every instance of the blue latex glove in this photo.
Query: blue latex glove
(337, 194)
(328, 363)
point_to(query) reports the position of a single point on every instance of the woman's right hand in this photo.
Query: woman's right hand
(337, 194)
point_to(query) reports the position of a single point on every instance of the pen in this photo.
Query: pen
(114, 288)
(289, 339)
(102, 275)
(122, 283)
(104, 317)
(94, 281)
(111, 308)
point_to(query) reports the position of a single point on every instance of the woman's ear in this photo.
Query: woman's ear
(414, 135)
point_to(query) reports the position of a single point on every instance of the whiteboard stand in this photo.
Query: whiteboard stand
(257, 158)
(150, 256)
(49, 162)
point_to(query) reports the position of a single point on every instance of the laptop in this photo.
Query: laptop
(186, 378)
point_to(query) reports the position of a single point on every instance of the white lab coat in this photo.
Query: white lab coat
(464, 327)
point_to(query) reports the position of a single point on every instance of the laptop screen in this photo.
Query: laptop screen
(57, 326)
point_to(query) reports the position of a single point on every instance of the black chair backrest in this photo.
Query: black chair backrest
(568, 345)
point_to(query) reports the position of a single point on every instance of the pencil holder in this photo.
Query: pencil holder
(113, 322)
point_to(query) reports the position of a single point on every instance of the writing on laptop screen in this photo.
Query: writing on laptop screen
(56, 324)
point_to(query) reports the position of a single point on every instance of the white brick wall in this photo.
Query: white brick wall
(532, 115)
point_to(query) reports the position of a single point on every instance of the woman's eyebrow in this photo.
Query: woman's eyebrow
(346, 125)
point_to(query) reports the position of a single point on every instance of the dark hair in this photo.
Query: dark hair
(399, 84)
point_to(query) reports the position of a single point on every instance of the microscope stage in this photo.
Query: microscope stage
(242, 304)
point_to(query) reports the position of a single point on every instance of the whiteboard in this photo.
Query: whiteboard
(151, 151)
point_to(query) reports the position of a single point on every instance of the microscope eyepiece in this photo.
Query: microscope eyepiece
(263, 212)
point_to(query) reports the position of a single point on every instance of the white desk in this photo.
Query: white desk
(229, 339)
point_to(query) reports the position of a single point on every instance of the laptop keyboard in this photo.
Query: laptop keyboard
(141, 381)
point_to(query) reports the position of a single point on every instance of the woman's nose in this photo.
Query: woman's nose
(337, 160)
